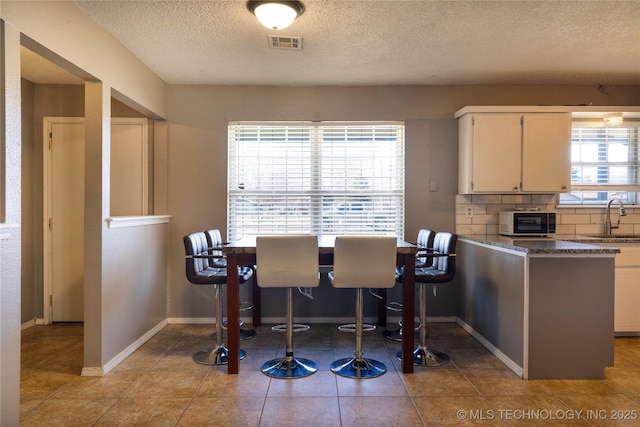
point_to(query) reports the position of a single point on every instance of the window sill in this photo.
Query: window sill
(136, 221)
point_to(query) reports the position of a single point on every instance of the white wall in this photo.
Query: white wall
(10, 238)
(65, 34)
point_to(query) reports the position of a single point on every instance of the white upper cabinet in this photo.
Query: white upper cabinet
(546, 152)
(512, 152)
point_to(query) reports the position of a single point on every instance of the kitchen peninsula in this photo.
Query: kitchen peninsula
(544, 307)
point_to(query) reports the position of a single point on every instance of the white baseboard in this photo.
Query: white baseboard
(88, 371)
(309, 320)
(38, 321)
(199, 320)
(26, 325)
(268, 320)
(495, 351)
(92, 372)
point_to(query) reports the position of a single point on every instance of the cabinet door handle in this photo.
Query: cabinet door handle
(564, 187)
(515, 188)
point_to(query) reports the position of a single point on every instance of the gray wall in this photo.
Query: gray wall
(198, 118)
(39, 101)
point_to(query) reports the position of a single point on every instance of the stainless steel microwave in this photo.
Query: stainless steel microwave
(527, 223)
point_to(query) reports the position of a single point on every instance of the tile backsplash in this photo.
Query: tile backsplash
(478, 214)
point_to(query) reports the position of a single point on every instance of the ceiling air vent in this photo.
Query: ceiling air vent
(285, 42)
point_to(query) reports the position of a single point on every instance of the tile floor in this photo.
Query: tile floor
(159, 385)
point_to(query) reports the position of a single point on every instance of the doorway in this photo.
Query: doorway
(63, 203)
(63, 218)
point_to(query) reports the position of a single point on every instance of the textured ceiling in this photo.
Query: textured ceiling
(368, 42)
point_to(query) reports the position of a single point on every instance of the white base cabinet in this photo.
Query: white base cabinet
(627, 296)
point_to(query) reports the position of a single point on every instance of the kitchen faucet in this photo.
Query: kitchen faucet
(607, 222)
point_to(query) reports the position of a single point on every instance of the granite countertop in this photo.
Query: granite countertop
(601, 238)
(538, 245)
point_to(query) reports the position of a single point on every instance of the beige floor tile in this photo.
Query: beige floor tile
(255, 358)
(474, 358)
(66, 413)
(624, 380)
(144, 412)
(140, 361)
(535, 410)
(179, 360)
(40, 385)
(108, 387)
(27, 405)
(243, 385)
(300, 411)
(388, 384)
(606, 410)
(438, 382)
(633, 396)
(456, 411)
(569, 387)
(500, 382)
(319, 384)
(207, 412)
(378, 411)
(158, 384)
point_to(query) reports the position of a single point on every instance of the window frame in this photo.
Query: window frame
(306, 191)
(629, 192)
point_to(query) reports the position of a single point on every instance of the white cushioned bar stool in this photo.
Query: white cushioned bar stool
(362, 262)
(214, 242)
(201, 270)
(288, 261)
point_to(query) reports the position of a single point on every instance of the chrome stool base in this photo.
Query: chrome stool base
(428, 358)
(218, 356)
(350, 367)
(289, 367)
(396, 335)
(246, 334)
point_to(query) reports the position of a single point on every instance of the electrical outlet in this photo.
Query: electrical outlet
(468, 211)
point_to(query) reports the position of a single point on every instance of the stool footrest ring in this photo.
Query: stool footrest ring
(297, 327)
(226, 322)
(246, 306)
(394, 306)
(351, 327)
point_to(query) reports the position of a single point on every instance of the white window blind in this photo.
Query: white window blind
(309, 177)
(604, 163)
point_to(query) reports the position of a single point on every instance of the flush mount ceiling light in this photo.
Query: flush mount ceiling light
(275, 14)
(612, 119)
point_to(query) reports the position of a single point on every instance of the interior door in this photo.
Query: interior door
(66, 223)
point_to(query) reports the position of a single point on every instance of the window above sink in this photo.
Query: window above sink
(605, 162)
